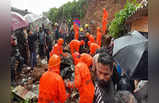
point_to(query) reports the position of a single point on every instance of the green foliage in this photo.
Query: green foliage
(27, 101)
(116, 27)
(68, 10)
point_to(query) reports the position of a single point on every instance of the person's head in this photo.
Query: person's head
(87, 34)
(104, 69)
(56, 24)
(40, 29)
(54, 63)
(81, 29)
(47, 31)
(60, 41)
(82, 42)
(86, 26)
(107, 40)
(102, 50)
(29, 31)
(86, 58)
(98, 28)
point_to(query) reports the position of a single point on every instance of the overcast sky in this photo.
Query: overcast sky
(37, 6)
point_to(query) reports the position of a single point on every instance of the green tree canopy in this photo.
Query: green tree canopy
(68, 10)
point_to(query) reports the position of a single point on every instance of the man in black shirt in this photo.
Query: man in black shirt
(48, 44)
(15, 56)
(31, 41)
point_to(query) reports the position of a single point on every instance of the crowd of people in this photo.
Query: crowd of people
(26, 45)
(98, 78)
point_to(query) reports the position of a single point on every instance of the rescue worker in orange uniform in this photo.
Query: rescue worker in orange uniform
(91, 39)
(76, 30)
(83, 80)
(76, 57)
(58, 48)
(93, 47)
(98, 36)
(86, 58)
(52, 88)
(75, 45)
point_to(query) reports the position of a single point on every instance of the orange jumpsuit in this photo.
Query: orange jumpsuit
(75, 56)
(57, 49)
(83, 83)
(98, 37)
(93, 47)
(52, 88)
(76, 30)
(74, 46)
(91, 39)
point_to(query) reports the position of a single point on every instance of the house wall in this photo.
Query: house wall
(140, 24)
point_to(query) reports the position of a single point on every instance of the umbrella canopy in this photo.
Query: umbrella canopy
(17, 21)
(32, 17)
(131, 52)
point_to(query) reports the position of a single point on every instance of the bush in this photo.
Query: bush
(117, 26)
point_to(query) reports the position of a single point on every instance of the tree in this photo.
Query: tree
(68, 10)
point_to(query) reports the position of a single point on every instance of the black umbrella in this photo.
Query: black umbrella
(131, 52)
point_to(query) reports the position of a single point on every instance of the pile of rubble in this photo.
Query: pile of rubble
(27, 82)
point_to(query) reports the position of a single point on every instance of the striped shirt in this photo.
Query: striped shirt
(103, 95)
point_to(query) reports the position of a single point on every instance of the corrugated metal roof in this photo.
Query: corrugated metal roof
(22, 12)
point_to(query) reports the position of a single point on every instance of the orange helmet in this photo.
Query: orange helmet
(86, 58)
(54, 63)
(60, 41)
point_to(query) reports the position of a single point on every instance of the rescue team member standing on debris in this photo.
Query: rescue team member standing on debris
(58, 48)
(83, 80)
(75, 45)
(52, 88)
